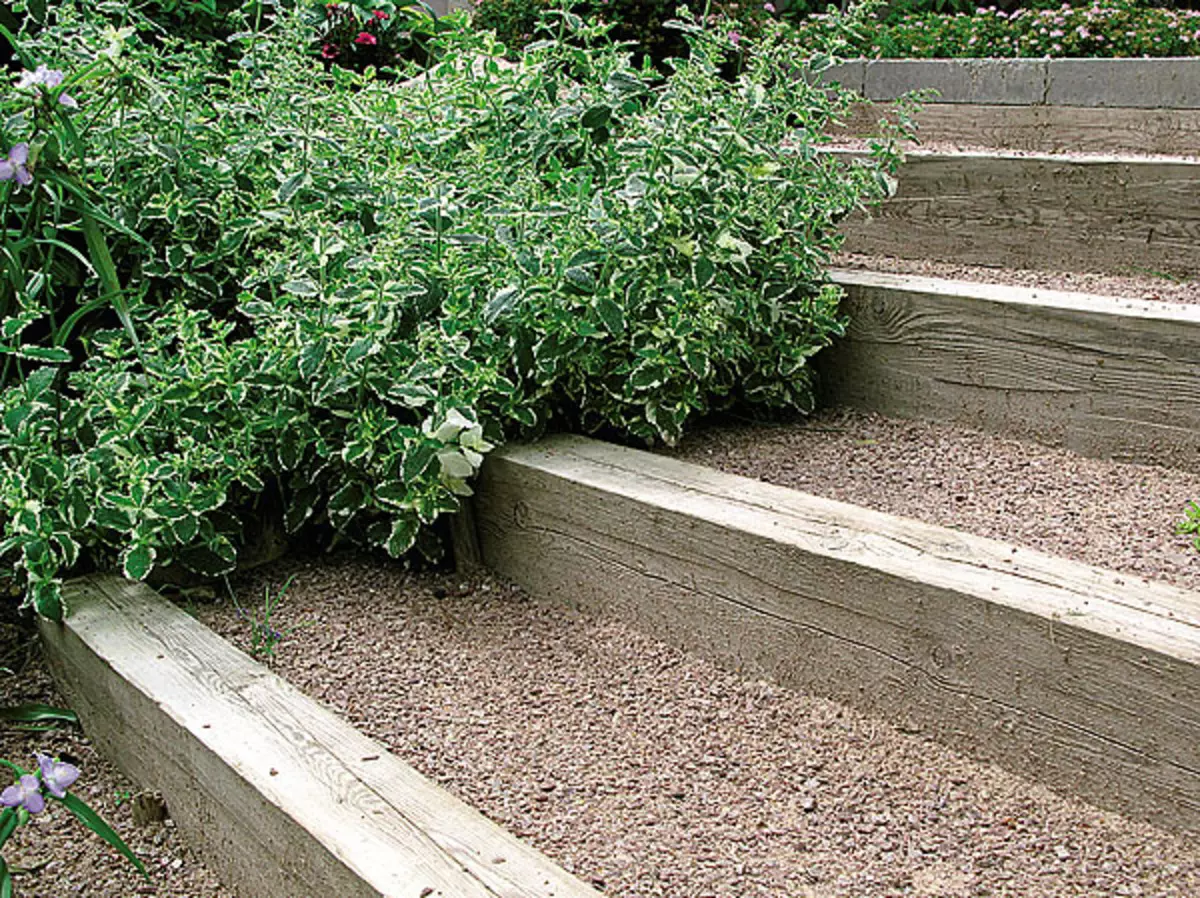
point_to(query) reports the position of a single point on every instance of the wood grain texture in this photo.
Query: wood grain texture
(1104, 377)
(1104, 213)
(465, 539)
(1045, 129)
(1070, 674)
(281, 796)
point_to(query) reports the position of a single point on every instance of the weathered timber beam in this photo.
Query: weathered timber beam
(1073, 675)
(1112, 214)
(279, 795)
(1042, 129)
(1104, 377)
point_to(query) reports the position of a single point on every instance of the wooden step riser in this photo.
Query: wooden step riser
(1104, 377)
(1164, 83)
(1071, 675)
(1101, 214)
(1042, 129)
(1147, 106)
(280, 796)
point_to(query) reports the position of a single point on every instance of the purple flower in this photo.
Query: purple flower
(24, 794)
(46, 77)
(49, 79)
(57, 775)
(15, 165)
(769, 7)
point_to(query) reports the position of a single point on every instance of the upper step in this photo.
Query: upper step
(1046, 105)
(1101, 213)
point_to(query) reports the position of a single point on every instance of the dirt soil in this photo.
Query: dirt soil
(648, 772)
(1148, 287)
(1115, 515)
(55, 856)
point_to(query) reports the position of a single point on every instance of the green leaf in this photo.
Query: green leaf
(6, 883)
(213, 559)
(597, 116)
(403, 535)
(348, 499)
(502, 302)
(612, 315)
(302, 287)
(185, 529)
(624, 85)
(36, 712)
(393, 492)
(46, 598)
(311, 357)
(301, 507)
(77, 509)
(290, 187)
(697, 362)
(417, 460)
(580, 279)
(9, 819)
(360, 349)
(53, 354)
(96, 824)
(39, 381)
(138, 562)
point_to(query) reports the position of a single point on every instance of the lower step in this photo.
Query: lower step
(1101, 376)
(281, 797)
(1057, 669)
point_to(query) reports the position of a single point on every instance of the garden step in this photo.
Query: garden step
(1112, 214)
(1098, 105)
(1072, 674)
(279, 795)
(1102, 376)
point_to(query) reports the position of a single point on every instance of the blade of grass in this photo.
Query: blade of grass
(96, 824)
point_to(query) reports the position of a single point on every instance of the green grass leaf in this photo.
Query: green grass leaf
(96, 824)
(35, 712)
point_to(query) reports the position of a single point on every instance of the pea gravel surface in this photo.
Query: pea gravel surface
(648, 772)
(1115, 515)
(55, 856)
(1145, 286)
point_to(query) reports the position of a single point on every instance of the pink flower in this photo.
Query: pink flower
(734, 37)
(769, 7)
(366, 38)
(329, 51)
(380, 15)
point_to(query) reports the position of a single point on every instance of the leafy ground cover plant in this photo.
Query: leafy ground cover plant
(1102, 28)
(232, 283)
(1190, 525)
(640, 22)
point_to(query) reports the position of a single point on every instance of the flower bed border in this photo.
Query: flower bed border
(1099, 375)
(280, 796)
(1073, 675)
